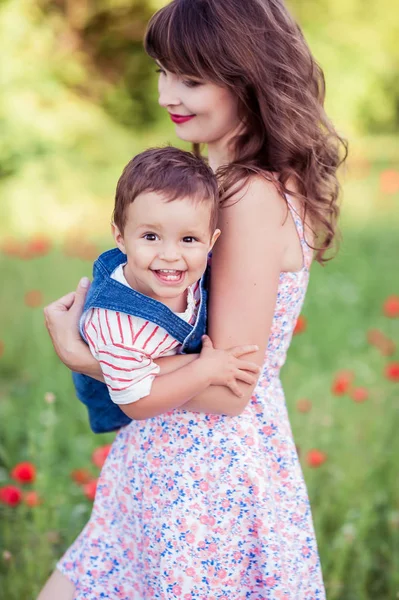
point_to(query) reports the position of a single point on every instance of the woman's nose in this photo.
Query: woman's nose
(168, 94)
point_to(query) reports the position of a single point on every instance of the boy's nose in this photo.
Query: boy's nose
(169, 253)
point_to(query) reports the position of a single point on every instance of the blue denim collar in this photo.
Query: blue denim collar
(108, 293)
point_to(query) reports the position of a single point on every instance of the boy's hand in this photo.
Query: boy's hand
(226, 367)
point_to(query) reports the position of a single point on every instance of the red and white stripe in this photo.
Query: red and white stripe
(126, 347)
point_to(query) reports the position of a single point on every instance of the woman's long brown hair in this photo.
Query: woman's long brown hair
(255, 48)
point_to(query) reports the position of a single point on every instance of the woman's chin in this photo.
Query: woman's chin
(190, 137)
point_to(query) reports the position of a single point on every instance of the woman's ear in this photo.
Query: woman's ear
(118, 237)
(215, 236)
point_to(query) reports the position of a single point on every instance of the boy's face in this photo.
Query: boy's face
(166, 244)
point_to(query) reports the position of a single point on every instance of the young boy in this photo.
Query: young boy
(148, 296)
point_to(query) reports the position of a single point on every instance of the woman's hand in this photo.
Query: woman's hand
(62, 322)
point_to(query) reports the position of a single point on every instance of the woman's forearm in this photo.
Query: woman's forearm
(87, 365)
(216, 399)
(219, 400)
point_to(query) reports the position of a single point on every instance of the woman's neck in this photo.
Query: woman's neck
(217, 156)
(220, 151)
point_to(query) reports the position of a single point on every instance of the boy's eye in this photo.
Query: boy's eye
(189, 239)
(150, 237)
(159, 71)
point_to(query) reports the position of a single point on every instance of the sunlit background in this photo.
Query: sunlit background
(77, 101)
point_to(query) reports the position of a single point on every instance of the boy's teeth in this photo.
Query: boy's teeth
(171, 274)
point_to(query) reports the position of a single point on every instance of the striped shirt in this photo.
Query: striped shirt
(126, 346)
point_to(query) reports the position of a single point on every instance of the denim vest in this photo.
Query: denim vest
(110, 294)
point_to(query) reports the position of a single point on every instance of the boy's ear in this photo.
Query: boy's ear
(215, 236)
(118, 237)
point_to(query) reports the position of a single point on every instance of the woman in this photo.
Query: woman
(215, 505)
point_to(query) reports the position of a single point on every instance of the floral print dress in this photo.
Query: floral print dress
(203, 507)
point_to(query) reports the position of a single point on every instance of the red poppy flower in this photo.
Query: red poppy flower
(303, 405)
(89, 489)
(69, 246)
(32, 498)
(359, 394)
(81, 476)
(33, 298)
(376, 338)
(87, 251)
(315, 458)
(388, 347)
(100, 454)
(11, 495)
(360, 168)
(24, 472)
(11, 247)
(389, 181)
(300, 325)
(342, 383)
(38, 246)
(77, 246)
(24, 253)
(391, 307)
(392, 371)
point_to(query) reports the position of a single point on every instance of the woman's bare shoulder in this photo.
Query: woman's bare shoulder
(259, 195)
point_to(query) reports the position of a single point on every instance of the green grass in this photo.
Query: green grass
(354, 495)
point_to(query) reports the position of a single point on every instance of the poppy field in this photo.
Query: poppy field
(341, 382)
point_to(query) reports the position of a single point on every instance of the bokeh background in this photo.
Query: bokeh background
(77, 101)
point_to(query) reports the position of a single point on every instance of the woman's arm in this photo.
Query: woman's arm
(246, 265)
(222, 367)
(62, 322)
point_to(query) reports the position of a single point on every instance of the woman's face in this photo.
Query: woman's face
(203, 112)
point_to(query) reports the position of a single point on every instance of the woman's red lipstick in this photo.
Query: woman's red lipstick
(181, 118)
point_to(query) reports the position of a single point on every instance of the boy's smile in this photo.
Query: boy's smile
(167, 245)
(170, 276)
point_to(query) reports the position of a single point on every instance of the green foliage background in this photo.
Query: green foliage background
(78, 97)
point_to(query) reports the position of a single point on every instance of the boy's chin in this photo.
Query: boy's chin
(170, 293)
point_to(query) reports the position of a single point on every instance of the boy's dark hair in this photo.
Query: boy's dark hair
(172, 172)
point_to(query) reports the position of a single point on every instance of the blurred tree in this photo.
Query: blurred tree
(107, 37)
(98, 53)
(76, 89)
(356, 42)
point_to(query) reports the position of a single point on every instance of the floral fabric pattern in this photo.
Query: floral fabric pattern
(203, 507)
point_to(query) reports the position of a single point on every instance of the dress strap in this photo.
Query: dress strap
(307, 251)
